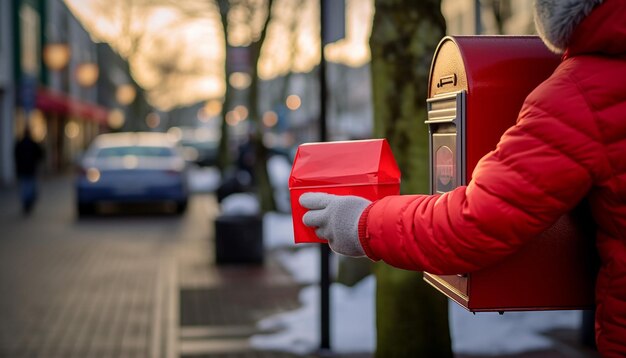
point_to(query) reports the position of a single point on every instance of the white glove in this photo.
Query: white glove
(336, 219)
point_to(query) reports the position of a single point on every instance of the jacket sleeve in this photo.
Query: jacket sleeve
(541, 168)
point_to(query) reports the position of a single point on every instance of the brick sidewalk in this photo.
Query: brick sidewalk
(219, 305)
(218, 319)
(80, 288)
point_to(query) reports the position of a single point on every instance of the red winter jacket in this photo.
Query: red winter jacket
(569, 143)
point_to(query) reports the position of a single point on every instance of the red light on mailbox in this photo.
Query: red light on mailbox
(364, 168)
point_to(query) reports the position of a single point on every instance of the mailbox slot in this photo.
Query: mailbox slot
(446, 126)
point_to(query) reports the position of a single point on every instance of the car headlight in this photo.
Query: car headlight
(93, 175)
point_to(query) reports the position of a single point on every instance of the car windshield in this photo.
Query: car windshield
(134, 150)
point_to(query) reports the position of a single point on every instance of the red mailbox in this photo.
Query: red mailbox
(364, 168)
(476, 89)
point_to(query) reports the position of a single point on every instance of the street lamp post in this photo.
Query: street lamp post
(332, 28)
(324, 249)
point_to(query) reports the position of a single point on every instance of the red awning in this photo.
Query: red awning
(59, 103)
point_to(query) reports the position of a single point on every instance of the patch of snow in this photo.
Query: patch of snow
(277, 231)
(300, 328)
(203, 180)
(353, 327)
(303, 264)
(278, 169)
(510, 333)
(240, 204)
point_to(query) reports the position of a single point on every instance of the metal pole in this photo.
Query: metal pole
(478, 24)
(324, 249)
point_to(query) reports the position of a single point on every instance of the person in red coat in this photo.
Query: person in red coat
(569, 144)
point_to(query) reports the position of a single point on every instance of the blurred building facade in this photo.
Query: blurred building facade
(7, 93)
(55, 79)
(66, 100)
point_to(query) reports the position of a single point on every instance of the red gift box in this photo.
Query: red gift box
(364, 168)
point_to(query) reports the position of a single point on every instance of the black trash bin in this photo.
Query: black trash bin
(239, 239)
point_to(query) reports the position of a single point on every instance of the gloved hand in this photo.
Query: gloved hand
(336, 219)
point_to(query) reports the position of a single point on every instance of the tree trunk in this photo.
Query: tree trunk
(223, 158)
(264, 187)
(412, 317)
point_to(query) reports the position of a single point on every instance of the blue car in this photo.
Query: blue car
(137, 167)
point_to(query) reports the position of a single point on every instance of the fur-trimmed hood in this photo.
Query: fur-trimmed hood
(555, 20)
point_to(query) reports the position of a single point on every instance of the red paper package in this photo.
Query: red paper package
(363, 168)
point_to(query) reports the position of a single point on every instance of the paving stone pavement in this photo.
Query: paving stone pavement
(106, 307)
(82, 288)
(219, 305)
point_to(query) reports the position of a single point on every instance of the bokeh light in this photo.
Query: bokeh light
(87, 74)
(125, 94)
(72, 130)
(210, 109)
(56, 55)
(232, 118)
(153, 120)
(37, 125)
(116, 119)
(93, 175)
(239, 80)
(270, 119)
(293, 102)
(242, 111)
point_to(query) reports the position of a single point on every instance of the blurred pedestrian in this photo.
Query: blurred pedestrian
(28, 156)
(568, 144)
(247, 156)
(239, 179)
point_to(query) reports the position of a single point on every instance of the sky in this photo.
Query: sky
(176, 48)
